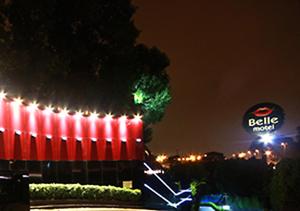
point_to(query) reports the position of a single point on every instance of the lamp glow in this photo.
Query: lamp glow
(266, 138)
(137, 117)
(108, 117)
(2, 129)
(2, 95)
(108, 139)
(18, 101)
(64, 112)
(64, 138)
(93, 139)
(123, 118)
(18, 132)
(78, 114)
(48, 109)
(94, 115)
(48, 137)
(33, 106)
(34, 135)
(78, 139)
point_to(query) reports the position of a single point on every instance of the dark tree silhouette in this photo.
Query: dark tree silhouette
(82, 54)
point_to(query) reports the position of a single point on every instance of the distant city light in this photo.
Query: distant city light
(161, 158)
(242, 155)
(268, 152)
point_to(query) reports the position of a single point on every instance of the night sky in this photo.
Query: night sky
(225, 57)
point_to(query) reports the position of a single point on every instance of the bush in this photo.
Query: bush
(285, 185)
(77, 191)
(244, 203)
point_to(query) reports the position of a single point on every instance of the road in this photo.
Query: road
(91, 209)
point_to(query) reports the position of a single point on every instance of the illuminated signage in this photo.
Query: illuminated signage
(263, 118)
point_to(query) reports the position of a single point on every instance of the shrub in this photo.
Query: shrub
(285, 185)
(77, 191)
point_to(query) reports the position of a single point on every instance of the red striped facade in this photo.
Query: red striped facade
(28, 133)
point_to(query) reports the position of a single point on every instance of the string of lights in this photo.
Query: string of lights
(63, 111)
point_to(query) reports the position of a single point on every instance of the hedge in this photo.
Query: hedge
(87, 192)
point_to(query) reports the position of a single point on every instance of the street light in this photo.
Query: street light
(266, 138)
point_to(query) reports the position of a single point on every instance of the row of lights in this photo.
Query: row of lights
(257, 152)
(64, 138)
(191, 158)
(64, 111)
(250, 154)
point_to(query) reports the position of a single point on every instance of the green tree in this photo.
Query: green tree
(82, 54)
(285, 185)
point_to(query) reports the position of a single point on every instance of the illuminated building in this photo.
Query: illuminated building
(58, 145)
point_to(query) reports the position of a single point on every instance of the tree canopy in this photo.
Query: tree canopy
(81, 54)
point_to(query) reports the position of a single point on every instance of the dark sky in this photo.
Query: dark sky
(226, 56)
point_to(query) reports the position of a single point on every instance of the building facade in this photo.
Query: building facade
(55, 145)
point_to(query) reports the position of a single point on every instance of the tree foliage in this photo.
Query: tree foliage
(82, 54)
(153, 96)
(285, 185)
